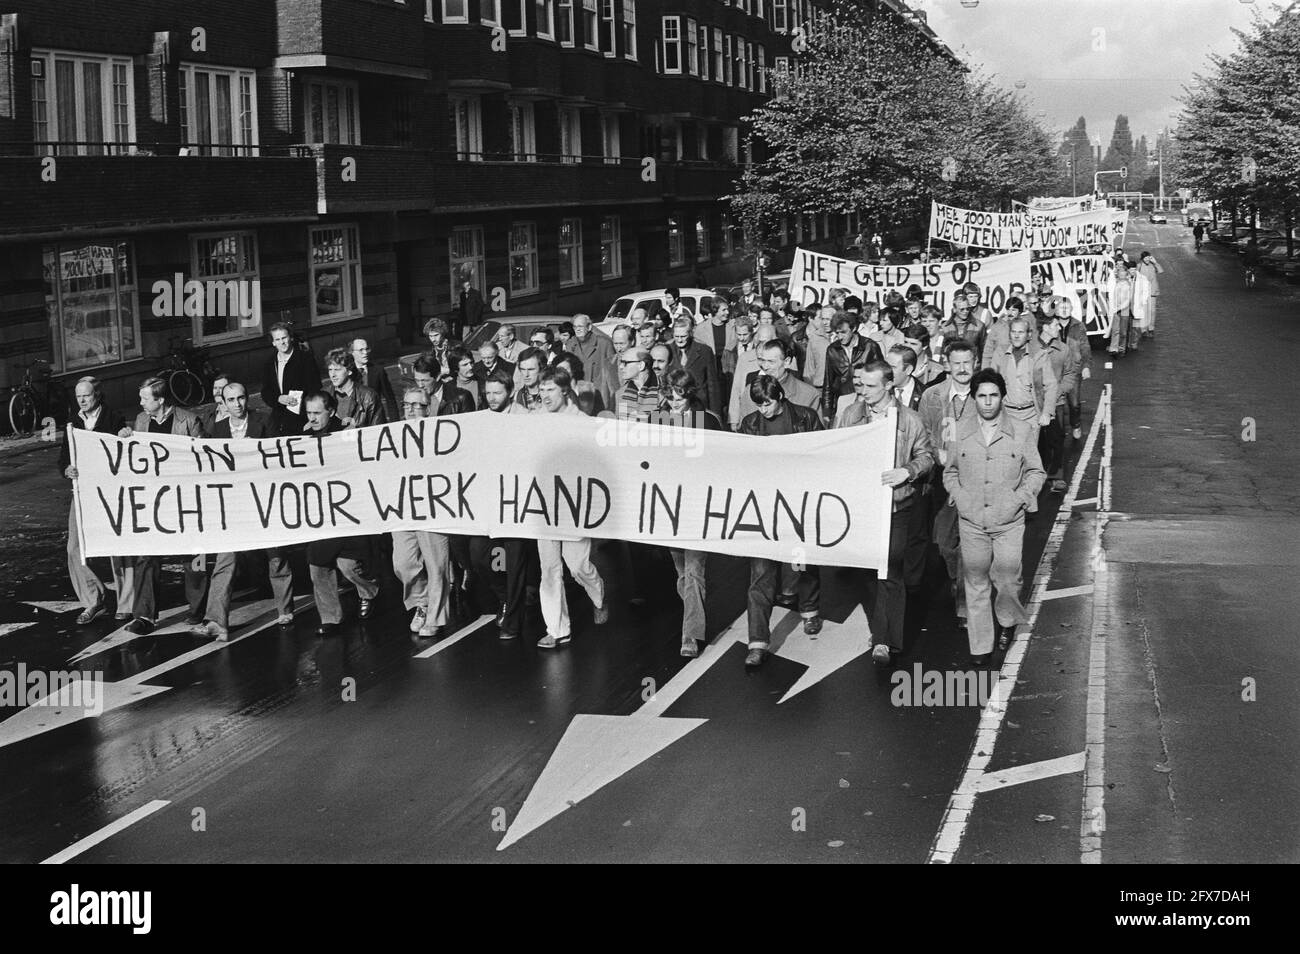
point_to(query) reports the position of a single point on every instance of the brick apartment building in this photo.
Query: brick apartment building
(350, 160)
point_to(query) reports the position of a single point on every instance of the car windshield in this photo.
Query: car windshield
(620, 309)
(483, 333)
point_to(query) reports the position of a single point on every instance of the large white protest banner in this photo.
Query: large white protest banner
(804, 498)
(814, 275)
(1089, 281)
(1033, 230)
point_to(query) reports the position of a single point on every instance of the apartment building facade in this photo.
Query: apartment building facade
(173, 170)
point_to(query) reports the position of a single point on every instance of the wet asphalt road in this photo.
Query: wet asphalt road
(257, 752)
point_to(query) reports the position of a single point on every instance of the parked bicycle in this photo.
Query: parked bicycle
(188, 373)
(35, 403)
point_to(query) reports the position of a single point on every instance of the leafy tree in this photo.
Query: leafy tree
(1077, 148)
(1121, 145)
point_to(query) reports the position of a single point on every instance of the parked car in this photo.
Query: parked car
(1276, 256)
(1221, 236)
(771, 282)
(1261, 236)
(696, 299)
(1158, 217)
(523, 325)
(1197, 212)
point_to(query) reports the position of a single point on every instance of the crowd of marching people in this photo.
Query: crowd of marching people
(983, 404)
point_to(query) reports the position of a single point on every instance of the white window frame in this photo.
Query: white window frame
(611, 247)
(349, 104)
(591, 25)
(469, 148)
(574, 246)
(112, 133)
(520, 7)
(762, 69)
(570, 118)
(245, 243)
(351, 289)
(489, 12)
(522, 118)
(719, 57)
(629, 29)
(476, 258)
(609, 27)
(58, 303)
(692, 46)
(611, 142)
(742, 63)
(547, 7)
(728, 58)
(452, 17)
(676, 242)
(780, 16)
(702, 250)
(243, 140)
(529, 253)
(564, 18)
(428, 12)
(675, 42)
(705, 62)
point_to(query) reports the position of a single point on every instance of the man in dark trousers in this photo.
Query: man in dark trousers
(775, 416)
(242, 424)
(470, 308)
(93, 415)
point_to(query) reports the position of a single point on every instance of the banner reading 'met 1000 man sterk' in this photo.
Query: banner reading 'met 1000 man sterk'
(1033, 230)
(814, 275)
(803, 498)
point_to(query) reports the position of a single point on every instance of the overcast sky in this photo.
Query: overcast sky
(1071, 68)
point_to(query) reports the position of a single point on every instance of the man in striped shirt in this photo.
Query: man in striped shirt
(638, 394)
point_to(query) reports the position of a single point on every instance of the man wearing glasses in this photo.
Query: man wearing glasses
(638, 394)
(508, 349)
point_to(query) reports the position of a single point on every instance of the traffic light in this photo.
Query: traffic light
(1123, 172)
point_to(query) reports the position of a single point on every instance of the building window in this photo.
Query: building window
(467, 122)
(90, 301)
(545, 19)
(523, 132)
(703, 54)
(226, 264)
(719, 56)
(742, 69)
(762, 70)
(570, 134)
(727, 60)
(731, 143)
(608, 28)
(590, 24)
(692, 47)
(611, 247)
(702, 239)
(733, 236)
(676, 243)
(428, 11)
(571, 251)
(84, 103)
(332, 113)
(455, 11)
(629, 29)
(335, 272)
(465, 251)
(564, 22)
(672, 44)
(515, 16)
(611, 143)
(780, 18)
(218, 111)
(489, 12)
(523, 258)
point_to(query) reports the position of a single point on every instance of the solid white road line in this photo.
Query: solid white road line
(1092, 823)
(456, 637)
(108, 831)
(952, 829)
(1068, 591)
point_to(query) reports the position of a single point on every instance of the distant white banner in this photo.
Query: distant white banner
(1032, 230)
(1064, 205)
(814, 275)
(1088, 280)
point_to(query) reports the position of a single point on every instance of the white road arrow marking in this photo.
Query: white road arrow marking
(55, 606)
(595, 750)
(836, 646)
(7, 628)
(170, 623)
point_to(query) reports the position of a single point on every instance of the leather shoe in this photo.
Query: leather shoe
(1006, 636)
(88, 616)
(812, 625)
(690, 648)
(754, 658)
(327, 629)
(367, 607)
(880, 654)
(194, 619)
(601, 614)
(140, 626)
(982, 660)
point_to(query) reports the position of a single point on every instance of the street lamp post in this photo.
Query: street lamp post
(1160, 165)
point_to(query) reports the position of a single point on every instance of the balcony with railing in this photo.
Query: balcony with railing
(60, 187)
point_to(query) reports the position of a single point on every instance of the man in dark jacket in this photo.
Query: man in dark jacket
(94, 416)
(444, 397)
(372, 375)
(489, 360)
(348, 554)
(242, 424)
(696, 358)
(777, 416)
(357, 405)
(844, 353)
(470, 308)
(290, 372)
